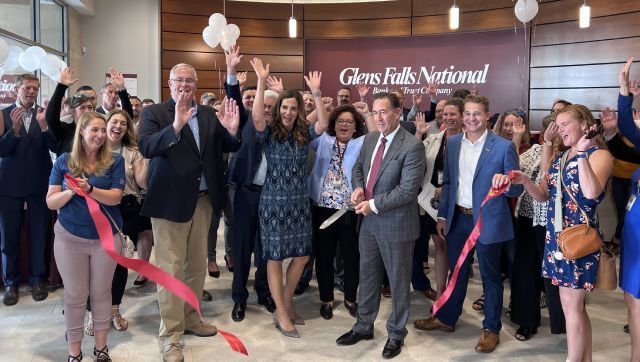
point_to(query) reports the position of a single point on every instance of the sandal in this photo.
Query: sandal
(478, 304)
(525, 333)
(543, 301)
(88, 326)
(117, 320)
(102, 354)
(77, 358)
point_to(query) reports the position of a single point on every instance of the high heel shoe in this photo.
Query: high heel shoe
(102, 355)
(229, 264)
(525, 333)
(298, 320)
(292, 333)
(77, 358)
(215, 273)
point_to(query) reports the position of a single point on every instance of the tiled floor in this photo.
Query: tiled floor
(33, 331)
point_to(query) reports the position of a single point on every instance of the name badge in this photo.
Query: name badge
(631, 201)
(440, 177)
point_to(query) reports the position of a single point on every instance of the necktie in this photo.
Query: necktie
(377, 161)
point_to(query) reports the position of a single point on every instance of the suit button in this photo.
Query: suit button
(198, 179)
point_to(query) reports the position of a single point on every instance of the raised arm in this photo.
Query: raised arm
(232, 86)
(52, 114)
(625, 112)
(313, 82)
(117, 81)
(257, 112)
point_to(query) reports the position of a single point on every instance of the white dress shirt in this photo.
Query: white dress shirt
(261, 172)
(467, 163)
(375, 150)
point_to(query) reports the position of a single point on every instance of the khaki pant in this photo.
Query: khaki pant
(181, 250)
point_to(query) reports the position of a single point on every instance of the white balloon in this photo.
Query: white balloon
(56, 77)
(210, 37)
(50, 65)
(227, 41)
(11, 62)
(218, 22)
(29, 61)
(234, 30)
(526, 10)
(4, 50)
(1, 72)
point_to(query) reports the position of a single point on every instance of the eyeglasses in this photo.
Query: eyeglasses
(187, 81)
(345, 122)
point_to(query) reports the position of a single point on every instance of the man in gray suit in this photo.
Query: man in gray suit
(386, 179)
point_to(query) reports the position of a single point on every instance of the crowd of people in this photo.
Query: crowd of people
(355, 189)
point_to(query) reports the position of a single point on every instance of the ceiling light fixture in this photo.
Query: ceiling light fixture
(454, 17)
(293, 25)
(585, 15)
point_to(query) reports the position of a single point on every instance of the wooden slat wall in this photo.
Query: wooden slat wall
(580, 65)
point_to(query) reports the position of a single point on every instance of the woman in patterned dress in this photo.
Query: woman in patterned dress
(285, 210)
(587, 168)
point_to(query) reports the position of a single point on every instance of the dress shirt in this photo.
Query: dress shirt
(27, 115)
(261, 172)
(389, 138)
(195, 129)
(469, 155)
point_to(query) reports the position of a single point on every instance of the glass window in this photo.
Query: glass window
(16, 17)
(52, 24)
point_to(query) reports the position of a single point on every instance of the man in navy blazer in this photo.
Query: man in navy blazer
(474, 161)
(185, 143)
(25, 165)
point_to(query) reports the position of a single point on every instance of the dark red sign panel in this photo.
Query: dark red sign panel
(496, 62)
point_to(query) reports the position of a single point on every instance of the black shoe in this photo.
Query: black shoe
(39, 292)
(351, 338)
(229, 265)
(301, 288)
(353, 308)
(525, 333)
(206, 296)
(237, 314)
(326, 310)
(10, 295)
(101, 354)
(268, 303)
(626, 328)
(392, 348)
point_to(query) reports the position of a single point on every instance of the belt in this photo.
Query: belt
(203, 193)
(464, 210)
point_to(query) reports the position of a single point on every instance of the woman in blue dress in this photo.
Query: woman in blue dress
(285, 209)
(587, 168)
(630, 241)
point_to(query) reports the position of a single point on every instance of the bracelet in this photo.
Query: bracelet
(548, 143)
(366, 115)
(581, 155)
(90, 189)
(316, 94)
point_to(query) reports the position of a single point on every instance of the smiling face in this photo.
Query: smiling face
(116, 128)
(452, 118)
(94, 134)
(289, 112)
(84, 107)
(507, 126)
(344, 97)
(345, 127)
(247, 98)
(109, 97)
(570, 129)
(440, 108)
(475, 118)
(309, 104)
(386, 117)
(136, 105)
(182, 80)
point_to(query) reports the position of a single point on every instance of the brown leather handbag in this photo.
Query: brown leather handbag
(578, 240)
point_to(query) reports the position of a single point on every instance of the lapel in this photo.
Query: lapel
(453, 146)
(394, 147)
(369, 148)
(186, 130)
(488, 145)
(203, 128)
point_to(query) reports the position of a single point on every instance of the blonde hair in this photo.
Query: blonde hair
(581, 114)
(77, 161)
(498, 128)
(129, 138)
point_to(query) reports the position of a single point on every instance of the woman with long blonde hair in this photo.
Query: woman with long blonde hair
(85, 267)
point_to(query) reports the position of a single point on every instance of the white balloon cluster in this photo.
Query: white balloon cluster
(526, 10)
(13, 57)
(219, 32)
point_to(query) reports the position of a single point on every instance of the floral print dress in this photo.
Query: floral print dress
(580, 273)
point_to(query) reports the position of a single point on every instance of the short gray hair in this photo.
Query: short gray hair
(185, 65)
(271, 94)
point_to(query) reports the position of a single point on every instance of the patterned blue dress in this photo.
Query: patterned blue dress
(581, 273)
(285, 207)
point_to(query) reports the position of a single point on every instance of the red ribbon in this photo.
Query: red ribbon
(143, 267)
(468, 246)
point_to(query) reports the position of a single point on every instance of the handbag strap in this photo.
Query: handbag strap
(564, 186)
(113, 222)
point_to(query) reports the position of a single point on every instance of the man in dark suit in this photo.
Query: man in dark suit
(25, 165)
(113, 91)
(386, 179)
(245, 175)
(185, 143)
(474, 160)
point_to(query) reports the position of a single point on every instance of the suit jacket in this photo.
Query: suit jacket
(125, 102)
(498, 156)
(25, 163)
(396, 186)
(176, 164)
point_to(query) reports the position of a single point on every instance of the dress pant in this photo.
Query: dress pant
(527, 280)
(245, 208)
(490, 272)
(343, 233)
(11, 216)
(227, 217)
(419, 279)
(181, 250)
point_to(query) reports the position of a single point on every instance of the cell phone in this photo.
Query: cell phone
(594, 132)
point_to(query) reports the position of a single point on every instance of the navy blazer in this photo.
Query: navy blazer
(498, 156)
(176, 165)
(25, 163)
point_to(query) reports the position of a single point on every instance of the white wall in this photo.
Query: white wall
(124, 34)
